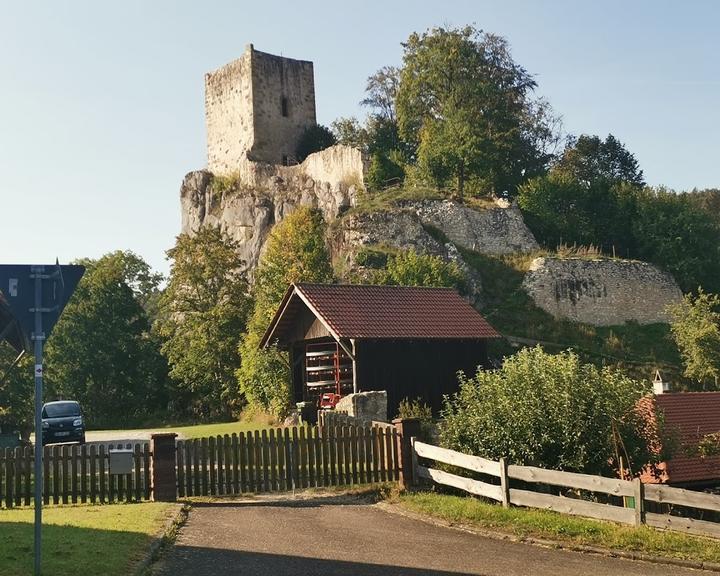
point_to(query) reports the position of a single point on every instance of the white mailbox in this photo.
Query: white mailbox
(121, 461)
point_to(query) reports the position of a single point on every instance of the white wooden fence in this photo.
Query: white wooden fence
(502, 492)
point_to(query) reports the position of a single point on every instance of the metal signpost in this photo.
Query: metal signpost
(35, 297)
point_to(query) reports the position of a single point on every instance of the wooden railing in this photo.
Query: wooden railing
(287, 458)
(502, 491)
(72, 474)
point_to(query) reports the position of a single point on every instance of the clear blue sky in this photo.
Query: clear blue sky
(101, 104)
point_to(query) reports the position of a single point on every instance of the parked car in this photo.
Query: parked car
(62, 421)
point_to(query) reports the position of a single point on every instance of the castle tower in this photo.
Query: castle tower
(256, 108)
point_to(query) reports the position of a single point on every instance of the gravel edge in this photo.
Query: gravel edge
(163, 539)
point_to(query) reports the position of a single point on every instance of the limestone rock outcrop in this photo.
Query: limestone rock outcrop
(601, 292)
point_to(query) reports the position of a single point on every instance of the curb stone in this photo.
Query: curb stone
(395, 509)
(168, 534)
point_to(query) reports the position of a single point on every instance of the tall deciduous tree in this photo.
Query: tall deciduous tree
(467, 107)
(555, 412)
(204, 311)
(101, 352)
(696, 329)
(16, 391)
(295, 252)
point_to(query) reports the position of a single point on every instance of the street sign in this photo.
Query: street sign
(31, 300)
(17, 288)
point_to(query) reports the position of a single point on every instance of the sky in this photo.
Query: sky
(102, 109)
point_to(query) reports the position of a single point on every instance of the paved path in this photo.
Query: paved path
(331, 537)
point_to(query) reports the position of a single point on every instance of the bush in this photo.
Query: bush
(383, 172)
(314, 139)
(555, 412)
(409, 268)
(418, 409)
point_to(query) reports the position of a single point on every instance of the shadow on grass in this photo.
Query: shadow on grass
(69, 551)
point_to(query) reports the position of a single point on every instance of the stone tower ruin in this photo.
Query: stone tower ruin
(256, 108)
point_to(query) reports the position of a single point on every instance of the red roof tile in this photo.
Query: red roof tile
(691, 415)
(364, 311)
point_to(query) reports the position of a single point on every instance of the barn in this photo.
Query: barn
(409, 341)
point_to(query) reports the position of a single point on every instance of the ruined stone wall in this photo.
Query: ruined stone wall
(256, 107)
(228, 115)
(273, 79)
(601, 292)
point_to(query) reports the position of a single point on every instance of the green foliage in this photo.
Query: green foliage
(383, 172)
(409, 268)
(314, 139)
(465, 106)
(16, 392)
(349, 132)
(696, 329)
(295, 252)
(203, 311)
(418, 409)
(551, 411)
(102, 352)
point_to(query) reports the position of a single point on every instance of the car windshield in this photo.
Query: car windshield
(61, 409)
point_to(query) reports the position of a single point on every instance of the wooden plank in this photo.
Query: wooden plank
(74, 472)
(317, 440)
(66, 474)
(572, 506)
(368, 445)
(93, 474)
(310, 440)
(204, 476)
(382, 453)
(17, 457)
(9, 478)
(302, 458)
(27, 456)
(287, 458)
(639, 497)
(613, 486)
(228, 461)
(102, 473)
(687, 525)
(354, 452)
(266, 461)
(681, 497)
(235, 452)
(211, 452)
(258, 476)
(362, 455)
(475, 487)
(146, 470)
(220, 448)
(272, 446)
(138, 470)
(46, 474)
(83, 473)
(324, 456)
(187, 446)
(180, 459)
(474, 463)
(295, 462)
(375, 441)
(395, 454)
(196, 449)
(243, 462)
(56, 474)
(504, 483)
(333, 452)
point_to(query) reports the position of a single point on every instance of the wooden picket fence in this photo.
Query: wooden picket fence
(631, 497)
(283, 459)
(72, 474)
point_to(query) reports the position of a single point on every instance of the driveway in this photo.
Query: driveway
(340, 537)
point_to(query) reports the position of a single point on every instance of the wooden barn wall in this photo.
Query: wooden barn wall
(416, 368)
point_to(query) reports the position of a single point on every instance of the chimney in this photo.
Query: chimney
(659, 385)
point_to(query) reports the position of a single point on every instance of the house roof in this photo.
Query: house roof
(381, 312)
(691, 415)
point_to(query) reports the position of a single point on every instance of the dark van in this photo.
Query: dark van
(62, 421)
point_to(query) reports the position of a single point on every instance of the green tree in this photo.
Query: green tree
(295, 252)
(349, 132)
(16, 391)
(555, 412)
(101, 351)
(204, 310)
(314, 139)
(465, 105)
(696, 330)
(410, 268)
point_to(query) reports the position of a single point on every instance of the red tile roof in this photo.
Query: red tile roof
(364, 311)
(691, 415)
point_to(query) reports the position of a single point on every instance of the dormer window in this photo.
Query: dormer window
(284, 106)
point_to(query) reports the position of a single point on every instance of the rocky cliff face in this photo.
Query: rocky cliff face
(601, 292)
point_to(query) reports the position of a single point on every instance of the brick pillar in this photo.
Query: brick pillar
(163, 474)
(407, 428)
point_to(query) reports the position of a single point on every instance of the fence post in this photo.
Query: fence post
(407, 428)
(639, 496)
(162, 467)
(504, 485)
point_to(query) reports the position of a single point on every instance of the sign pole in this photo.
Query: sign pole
(38, 339)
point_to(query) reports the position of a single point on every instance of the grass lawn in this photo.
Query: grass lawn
(107, 540)
(202, 430)
(543, 524)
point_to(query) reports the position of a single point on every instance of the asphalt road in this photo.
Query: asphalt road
(331, 537)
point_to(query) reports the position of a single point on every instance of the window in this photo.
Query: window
(284, 106)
